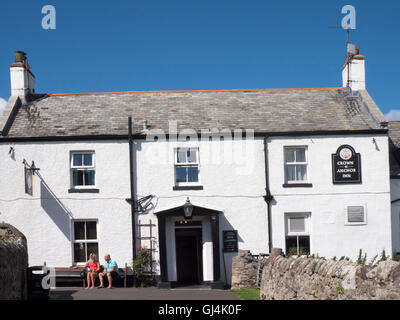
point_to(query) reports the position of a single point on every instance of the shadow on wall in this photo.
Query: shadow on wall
(226, 273)
(54, 208)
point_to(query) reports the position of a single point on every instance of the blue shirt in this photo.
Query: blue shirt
(110, 264)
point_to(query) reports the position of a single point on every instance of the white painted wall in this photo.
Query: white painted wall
(234, 189)
(47, 222)
(327, 202)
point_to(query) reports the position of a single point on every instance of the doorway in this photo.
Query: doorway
(189, 262)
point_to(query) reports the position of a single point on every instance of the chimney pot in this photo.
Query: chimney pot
(19, 56)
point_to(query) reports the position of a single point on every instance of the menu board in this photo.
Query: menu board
(230, 238)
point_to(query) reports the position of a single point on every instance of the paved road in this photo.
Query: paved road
(78, 293)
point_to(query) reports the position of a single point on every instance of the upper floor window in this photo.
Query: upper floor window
(295, 164)
(186, 166)
(83, 169)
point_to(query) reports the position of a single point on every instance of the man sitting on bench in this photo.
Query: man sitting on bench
(110, 269)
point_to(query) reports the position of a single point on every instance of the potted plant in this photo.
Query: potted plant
(141, 267)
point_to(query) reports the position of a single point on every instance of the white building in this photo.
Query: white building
(305, 170)
(394, 157)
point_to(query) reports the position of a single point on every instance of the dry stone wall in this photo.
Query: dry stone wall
(308, 279)
(244, 270)
(13, 263)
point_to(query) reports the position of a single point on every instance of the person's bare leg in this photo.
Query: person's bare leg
(88, 280)
(101, 280)
(92, 277)
(109, 280)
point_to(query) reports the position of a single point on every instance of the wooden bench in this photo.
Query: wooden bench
(70, 273)
(75, 273)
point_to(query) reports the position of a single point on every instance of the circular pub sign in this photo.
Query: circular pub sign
(346, 165)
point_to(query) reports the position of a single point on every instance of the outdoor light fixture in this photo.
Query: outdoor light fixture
(188, 209)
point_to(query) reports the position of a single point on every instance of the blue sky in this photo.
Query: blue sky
(158, 45)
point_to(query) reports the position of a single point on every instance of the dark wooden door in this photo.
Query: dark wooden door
(188, 256)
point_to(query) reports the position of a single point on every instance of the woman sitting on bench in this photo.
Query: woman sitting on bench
(94, 266)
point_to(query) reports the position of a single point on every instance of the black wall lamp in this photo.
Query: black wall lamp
(188, 209)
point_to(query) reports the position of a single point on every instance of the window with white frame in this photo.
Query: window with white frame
(186, 166)
(85, 240)
(297, 234)
(355, 215)
(295, 164)
(83, 169)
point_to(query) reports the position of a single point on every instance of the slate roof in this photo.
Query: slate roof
(264, 110)
(394, 144)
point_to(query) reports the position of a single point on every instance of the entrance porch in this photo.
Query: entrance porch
(189, 247)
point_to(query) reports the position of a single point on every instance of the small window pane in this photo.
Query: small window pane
(193, 174)
(291, 246)
(74, 178)
(301, 173)
(79, 228)
(300, 155)
(77, 159)
(355, 214)
(89, 178)
(91, 232)
(289, 154)
(191, 156)
(77, 177)
(88, 159)
(79, 252)
(180, 174)
(304, 245)
(297, 224)
(181, 156)
(290, 173)
(92, 248)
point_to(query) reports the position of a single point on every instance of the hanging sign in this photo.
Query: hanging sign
(28, 181)
(230, 238)
(346, 165)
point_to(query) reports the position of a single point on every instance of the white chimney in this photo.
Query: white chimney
(22, 79)
(353, 72)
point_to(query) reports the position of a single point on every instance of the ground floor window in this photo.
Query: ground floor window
(85, 240)
(298, 245)
(297, 233)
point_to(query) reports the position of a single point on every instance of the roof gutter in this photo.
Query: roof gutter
(144, 137)
(268, 196)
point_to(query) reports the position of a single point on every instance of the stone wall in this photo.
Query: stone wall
(13, 263)
(308, 279)
(244, 270)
